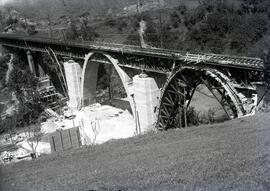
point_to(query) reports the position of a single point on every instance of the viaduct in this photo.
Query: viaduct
(159, 83)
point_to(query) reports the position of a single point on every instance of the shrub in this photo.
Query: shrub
(121, 25)
(175, 19)
(192, 116)
(110, 22)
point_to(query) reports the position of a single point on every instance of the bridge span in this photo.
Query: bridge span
(162, 94)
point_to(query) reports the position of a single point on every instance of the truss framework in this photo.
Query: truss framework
(180, 87)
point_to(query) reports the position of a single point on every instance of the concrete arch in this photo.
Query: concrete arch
(89, 73)
(168, 102)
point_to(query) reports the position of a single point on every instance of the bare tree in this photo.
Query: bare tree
(33, 135)
(95, 125)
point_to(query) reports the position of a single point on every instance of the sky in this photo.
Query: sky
(2, 2)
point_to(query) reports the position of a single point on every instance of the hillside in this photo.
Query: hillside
(58, 8)
(206, 26)
(230, 156)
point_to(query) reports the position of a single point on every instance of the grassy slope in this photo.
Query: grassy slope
(231, 156)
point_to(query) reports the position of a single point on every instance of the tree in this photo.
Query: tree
(255, 6)
(9, 125)
(116, 86)
(265, 51)
(121, 25)
(151, 35)
(33, 135)
(3, 68)
(24, 84)
(133, 38)
(182, 9)
(86, 32)
(80, 31)
(72, 32)
(241, 38)
(194, 16)
(175, 19)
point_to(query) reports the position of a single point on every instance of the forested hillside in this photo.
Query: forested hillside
(40, 8)
(58, 8)
(213, 26)
(229, 27)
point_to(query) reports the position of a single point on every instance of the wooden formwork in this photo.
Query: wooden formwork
(65, 139)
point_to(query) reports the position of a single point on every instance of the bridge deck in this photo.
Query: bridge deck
(41, 43)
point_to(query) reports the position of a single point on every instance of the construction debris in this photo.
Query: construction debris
(100, 123)
(96, 124)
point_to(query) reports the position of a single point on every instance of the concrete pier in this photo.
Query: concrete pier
(31, 62)
(146, 96)
(73, 73)
(41, 72)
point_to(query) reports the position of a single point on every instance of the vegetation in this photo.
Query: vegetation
(9, 125)
(109, 80)
(210, 26)
(3, 68)
(27, 113)
(213, 26)
(224, 27)
(198, 118)
(11, 20)
(81, 31)
(40, 8)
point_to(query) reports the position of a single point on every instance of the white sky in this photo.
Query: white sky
(2, 2)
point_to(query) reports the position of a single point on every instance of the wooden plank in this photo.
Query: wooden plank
(52, 143)
(58, 142)
(66, 140)
(75, 137)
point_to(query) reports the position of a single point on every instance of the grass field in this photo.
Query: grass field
(230, 156)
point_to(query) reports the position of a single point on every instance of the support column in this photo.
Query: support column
(146, 96)
(41, 72)
(73, 74)
(1, 50)
(31, 62)
(39, 63)
(89, 84)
